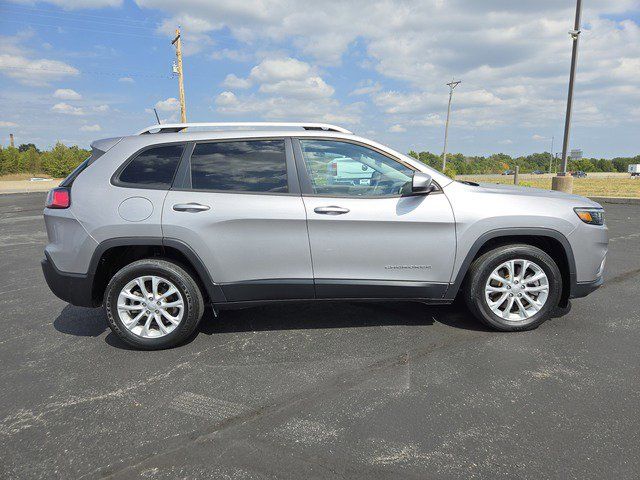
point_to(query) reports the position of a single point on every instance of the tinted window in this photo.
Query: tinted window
(154, 167)
(347, 169)
(244, 166)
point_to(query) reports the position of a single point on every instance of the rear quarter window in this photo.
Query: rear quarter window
(152, 168)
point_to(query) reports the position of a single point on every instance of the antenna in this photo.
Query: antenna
(157, 117)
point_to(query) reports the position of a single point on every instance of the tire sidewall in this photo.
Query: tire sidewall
(142, 268)
(492, 262)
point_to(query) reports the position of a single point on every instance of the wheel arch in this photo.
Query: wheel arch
(113, 254)
(553, 242)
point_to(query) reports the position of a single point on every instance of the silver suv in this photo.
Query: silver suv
(157, 225)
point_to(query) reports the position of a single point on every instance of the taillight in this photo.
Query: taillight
(334, 168)
(58, 198)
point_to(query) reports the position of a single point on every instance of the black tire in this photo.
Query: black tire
(183, 281)
(483, 266)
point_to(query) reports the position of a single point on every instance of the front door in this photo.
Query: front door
(238, 206)
(367, 239)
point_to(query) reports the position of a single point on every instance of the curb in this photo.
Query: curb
(618, 200)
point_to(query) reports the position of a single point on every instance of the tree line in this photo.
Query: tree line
(60, 160)
(459, 164)
(57, 162)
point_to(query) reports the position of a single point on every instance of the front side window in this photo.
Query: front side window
(240, 166)
(154, 167)
(346, 169)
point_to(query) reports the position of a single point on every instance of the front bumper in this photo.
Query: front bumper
(73, 288)
(582, 289)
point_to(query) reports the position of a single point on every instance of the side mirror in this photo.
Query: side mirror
(421, 183)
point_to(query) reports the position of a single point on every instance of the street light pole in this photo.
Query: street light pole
(452, 85)
(565, 184)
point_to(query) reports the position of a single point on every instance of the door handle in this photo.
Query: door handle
(190, 207)
(332, 210)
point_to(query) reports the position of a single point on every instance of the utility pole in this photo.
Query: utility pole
(177, 41)
(11, 142)
(452, 85)
(563, 182)
(550, 153)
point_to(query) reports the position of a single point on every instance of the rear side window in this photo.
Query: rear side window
(154, 167)
(240, 166)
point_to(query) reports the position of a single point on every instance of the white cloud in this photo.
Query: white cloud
(397, 128)
(171, 104)
(35, 72)
(67, 94)
(18, 63)
(66, 109)
(90, 128)
(513, 57)
(285, 88)
(273, 70)
(232, 81)
(367, 88)
(101, 108)
(538, 138)
(126, 80)
(7, 124)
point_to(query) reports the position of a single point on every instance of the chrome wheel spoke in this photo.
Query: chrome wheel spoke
(154, 285)
(516, 290)
(521, 309)
(168, 293)
(124, 306)
(497, 278)
(143, 288)
(142, 310)
(177, 303)
(507, 310)
(534, 303)
(536, 288)
(172, 319)
(535, 278)
(135, 320)
(496, 304)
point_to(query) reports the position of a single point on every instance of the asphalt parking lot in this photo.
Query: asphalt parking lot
(303, 391)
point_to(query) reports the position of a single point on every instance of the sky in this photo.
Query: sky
(74, 71)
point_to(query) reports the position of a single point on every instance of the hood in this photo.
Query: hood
(500, 189)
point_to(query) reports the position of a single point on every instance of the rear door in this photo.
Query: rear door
(368, 239)
(237, 204)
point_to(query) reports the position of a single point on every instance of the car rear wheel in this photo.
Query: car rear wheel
(513, 288)
(153, 304)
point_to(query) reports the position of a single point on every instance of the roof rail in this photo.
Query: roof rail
(178, 127)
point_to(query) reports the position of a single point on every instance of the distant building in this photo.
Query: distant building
(575, 154)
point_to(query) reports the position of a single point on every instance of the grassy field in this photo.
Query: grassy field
(621, 185)
(19, 183)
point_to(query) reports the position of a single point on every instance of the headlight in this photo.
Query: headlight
(592, 216)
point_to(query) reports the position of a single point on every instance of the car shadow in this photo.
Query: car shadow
(90, 322)
(81, 322)
(336, 314)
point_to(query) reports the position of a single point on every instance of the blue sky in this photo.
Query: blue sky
(79, 70)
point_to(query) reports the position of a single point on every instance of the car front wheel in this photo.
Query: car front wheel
(513, 288)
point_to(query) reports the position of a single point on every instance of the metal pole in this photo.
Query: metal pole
(551, 153)
(575, 34)
(452, 85)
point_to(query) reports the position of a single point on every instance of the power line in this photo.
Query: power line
(109, 32)
(71, 14)
(91, 72)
